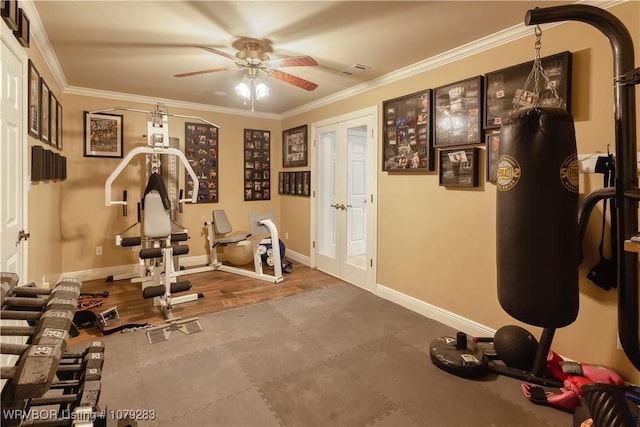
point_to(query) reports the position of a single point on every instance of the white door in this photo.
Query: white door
(13, 152)
(344, 214)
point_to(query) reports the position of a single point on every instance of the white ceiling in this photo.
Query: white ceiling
(136, 47)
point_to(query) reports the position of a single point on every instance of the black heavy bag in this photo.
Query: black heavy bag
(537, 217)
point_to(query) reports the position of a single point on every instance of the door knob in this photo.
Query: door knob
(22, 235)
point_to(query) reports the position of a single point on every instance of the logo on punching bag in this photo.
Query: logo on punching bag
(508, 173)
(570, 173)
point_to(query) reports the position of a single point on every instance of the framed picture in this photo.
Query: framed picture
(10, 13)
(257, 165)
(201, 149)
(53, 120)
(293, 185)
(505, 91)
(458, 113)
(102, 135)
(306, 183)
(294, 147)
(59, 125)
(44, 112)
(22, 32)
(459, 168)
(406, 133)
(34, 101)
(492, 141)
(287, 183)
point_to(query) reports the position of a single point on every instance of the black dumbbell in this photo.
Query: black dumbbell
(40, 363)
(87, 396)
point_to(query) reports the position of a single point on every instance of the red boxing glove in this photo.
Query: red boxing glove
(575, 383)
(559, 398)
(554, 366)
(596, 373)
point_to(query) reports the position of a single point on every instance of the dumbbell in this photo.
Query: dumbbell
(87, 396)
(28, 297)
(39, 364)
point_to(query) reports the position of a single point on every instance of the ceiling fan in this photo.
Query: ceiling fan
(253, 57)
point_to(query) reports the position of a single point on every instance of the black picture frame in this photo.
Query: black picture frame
(294, 147)
(257, 165)
(53, 120)
(22, 32)
(458, 113)
(492, 143)
(103, 135)
(201, 146)
(9, 11)
(34, 101)
(503, 87)
(45, 93)
(458, 167)
(59, 126)
(406, 133)
(281, 182)
(306, 183)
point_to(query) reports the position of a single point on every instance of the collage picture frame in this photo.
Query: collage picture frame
(406, 130)
(458, 167)
(458, 113)
(34, 101)
(201, 144)
(504, 88)
(257, 165)
(295, 147)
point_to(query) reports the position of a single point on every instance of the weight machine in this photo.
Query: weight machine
(159, 240)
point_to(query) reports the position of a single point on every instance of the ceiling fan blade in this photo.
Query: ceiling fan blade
(291, 79)
(195, 73)
(293, 61)
(219, 52)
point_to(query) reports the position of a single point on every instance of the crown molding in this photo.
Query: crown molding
(489, 42)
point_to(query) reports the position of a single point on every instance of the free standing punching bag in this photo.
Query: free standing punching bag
(537, 217)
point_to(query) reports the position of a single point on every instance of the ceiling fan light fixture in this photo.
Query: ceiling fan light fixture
(244, 90)
(262, 90)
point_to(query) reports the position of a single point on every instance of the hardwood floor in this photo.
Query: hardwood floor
(221, 291)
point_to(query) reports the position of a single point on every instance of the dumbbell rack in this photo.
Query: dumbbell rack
(47, 385)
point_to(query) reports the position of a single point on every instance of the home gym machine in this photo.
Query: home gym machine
(538, 244)
(263, 233)
(160, 244)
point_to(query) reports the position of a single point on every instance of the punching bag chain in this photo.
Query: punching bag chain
(526, 98)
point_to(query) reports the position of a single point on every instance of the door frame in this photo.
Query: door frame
(372, 168)
(7, 38)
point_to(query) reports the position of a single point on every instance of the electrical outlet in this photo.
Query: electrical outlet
(286, 235)
(98, 250)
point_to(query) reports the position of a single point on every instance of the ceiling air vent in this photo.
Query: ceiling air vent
(354, 69)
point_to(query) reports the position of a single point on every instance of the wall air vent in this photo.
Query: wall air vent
(354, 69)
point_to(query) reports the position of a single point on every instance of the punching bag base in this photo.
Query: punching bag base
(468, 362)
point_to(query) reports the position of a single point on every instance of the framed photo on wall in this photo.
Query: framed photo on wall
(53, 120)
(22, 32)
(505, 91)
(9, 13)
(44, 112)
(201, 150)
(492, 144)
(102, 135)
(34, 101)
(458, 113)
(406, 133)
(59, 126)
(294, 147)
(459, 168)
(257, 165)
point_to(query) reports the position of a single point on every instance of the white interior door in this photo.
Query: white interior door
(344, 213)
(12, 166)
(12, 146)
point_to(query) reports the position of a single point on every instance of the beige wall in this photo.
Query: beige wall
(438, 245)
(434, 244)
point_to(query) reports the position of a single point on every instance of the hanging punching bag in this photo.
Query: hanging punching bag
(537, 217)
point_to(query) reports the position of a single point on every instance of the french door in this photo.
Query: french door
(344, 211)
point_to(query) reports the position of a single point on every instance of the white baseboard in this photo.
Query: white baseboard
(185, 261)
(441, 315)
